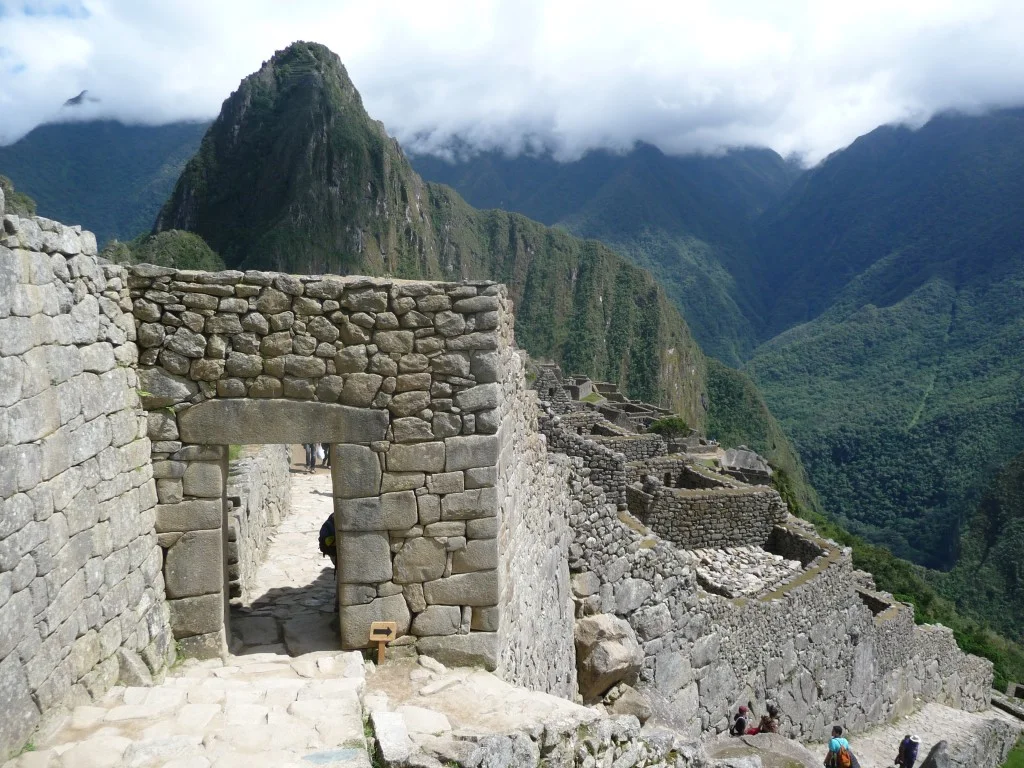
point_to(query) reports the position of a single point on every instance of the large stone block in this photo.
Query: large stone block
(360, 389)
(479, 502)
(194, 565)
(480, 588)
(399, 510)
(20, 712)
(420, 457)
(420, 559)
(364, 558)
(356, 619)
(471, 451)
(204, 479)
(360, 515)
(438, 620)
(163, 389)
(237, 422)
(196, 615)
(478, 555)
(194, 515)
(477, 649)
(479, 397)
(356, 472)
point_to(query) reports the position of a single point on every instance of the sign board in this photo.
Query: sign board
(380, 633)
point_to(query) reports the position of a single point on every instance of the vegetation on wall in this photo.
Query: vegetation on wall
(16, 203)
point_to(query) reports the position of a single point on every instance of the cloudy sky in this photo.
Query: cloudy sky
(800, 76)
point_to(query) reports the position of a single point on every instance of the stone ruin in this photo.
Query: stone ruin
(492, 530)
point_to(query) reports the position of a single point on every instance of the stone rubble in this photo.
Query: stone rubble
(742, 571)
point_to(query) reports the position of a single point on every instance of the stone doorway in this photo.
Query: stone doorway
(287, 604)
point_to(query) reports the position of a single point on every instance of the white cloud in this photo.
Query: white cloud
(804, 76)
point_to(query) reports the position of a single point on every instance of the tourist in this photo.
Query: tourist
(839, 753)
(327, 540)
(906, 756)
(769, 722)
(739, 722)
(310, 456)
(326, 461)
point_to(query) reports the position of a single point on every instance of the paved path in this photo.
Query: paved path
(256, 711)
(932, 722)
(292, 611)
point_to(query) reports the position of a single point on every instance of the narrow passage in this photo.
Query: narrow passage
(292, 609)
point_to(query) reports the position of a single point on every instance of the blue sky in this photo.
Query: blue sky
(801, 76)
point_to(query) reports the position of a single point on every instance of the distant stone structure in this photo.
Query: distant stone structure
(485, 526)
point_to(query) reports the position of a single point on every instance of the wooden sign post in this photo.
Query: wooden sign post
(381, 632)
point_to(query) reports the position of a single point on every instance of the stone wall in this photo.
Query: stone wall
(401, 378)
(812, 645)
(81, 593)
(721, 517)
(676, 471)
(634, 447)
(260, 482)
(535, 640)
(606, 467)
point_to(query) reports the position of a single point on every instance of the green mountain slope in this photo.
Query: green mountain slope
(109, 177)
(688, 220)
(294, 175)
(989, 577)
(904, 392)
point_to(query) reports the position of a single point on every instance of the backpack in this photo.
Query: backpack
(326, 538)
(843, 758)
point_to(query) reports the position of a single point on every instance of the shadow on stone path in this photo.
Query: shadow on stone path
(293, 608)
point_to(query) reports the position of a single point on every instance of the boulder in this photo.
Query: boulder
(632, 702)
(607, 652)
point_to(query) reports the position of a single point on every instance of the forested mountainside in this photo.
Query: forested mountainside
(904, 254)
(109, 177)
(989, 576)
(688, 220)
(885, 291)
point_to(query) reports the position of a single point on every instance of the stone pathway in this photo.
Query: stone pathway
(251, 711)
(876, 748)
(292, 610)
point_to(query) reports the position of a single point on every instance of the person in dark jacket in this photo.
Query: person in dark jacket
(906, 756)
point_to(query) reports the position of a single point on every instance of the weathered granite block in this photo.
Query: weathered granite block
(480, 588)
(364, 558)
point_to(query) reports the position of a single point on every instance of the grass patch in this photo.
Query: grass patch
(593, 397)
(1016, 757)
(234, 452)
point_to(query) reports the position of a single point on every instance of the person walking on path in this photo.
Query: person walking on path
(839, 753)
(327, 455)
(906, 756)
(310, 456)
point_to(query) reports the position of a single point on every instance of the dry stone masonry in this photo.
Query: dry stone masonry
(259, 491)
(81, 590)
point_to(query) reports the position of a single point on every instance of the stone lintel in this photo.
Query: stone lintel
(239, 422)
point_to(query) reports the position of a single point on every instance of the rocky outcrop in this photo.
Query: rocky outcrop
(607, 653)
